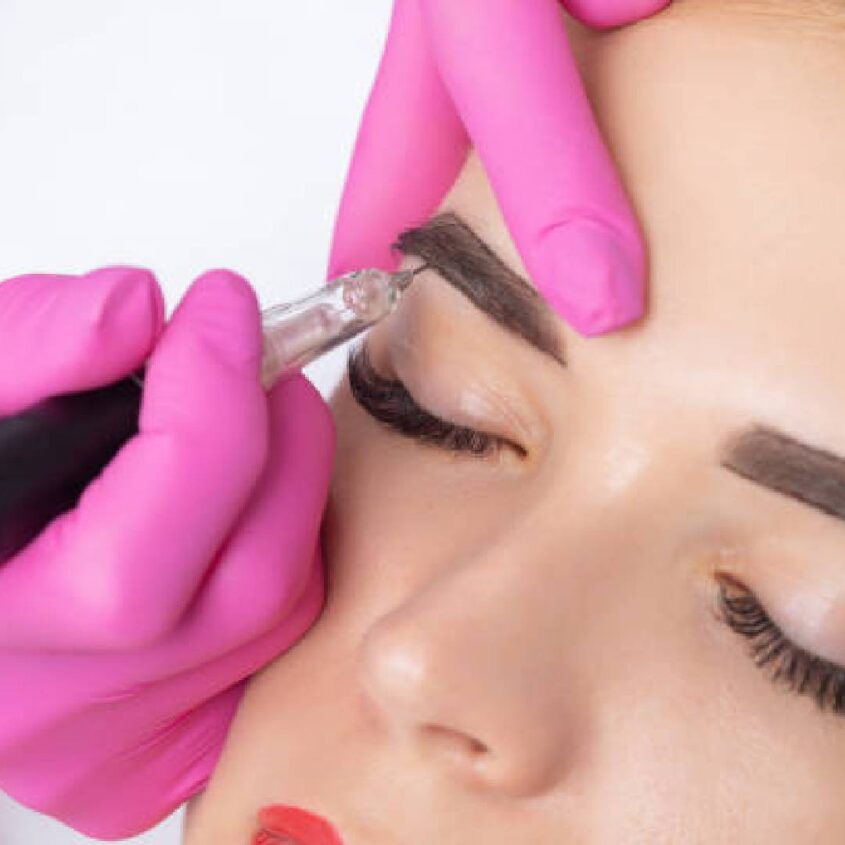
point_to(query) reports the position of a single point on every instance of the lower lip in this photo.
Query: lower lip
(283, 825)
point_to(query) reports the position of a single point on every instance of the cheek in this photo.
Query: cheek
(383, 528)
(398, 513)
(372, 532)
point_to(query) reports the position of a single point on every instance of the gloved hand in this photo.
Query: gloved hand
(499, 75)
(128, 626)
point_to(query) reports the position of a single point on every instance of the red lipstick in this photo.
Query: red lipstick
(283, 825)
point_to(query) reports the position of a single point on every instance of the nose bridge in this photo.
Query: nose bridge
(608, 457)
(481, 654)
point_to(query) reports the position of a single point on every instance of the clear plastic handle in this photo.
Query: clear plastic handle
(298, 332)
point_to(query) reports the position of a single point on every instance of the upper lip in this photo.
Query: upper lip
(305, 826)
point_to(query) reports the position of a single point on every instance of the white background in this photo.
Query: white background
(178, 135)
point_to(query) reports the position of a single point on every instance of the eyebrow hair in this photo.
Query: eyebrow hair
(759, 453)
(809, 474)
(447, 245)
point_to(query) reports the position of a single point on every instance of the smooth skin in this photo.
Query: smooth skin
(559, 608)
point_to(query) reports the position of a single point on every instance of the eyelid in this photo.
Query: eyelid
(387, 400)
(477, 408)
(466, 394)
(805, 610)
(803, 672)
(797, 573)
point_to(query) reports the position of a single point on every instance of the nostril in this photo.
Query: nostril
(456, 742)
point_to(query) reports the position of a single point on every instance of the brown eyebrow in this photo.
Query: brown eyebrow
(807, 473)
(451, 248)
(759, 453)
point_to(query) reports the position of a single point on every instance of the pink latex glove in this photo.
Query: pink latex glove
(128, 626)
(499, 74)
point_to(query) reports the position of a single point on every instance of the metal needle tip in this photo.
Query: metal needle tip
(405, 277)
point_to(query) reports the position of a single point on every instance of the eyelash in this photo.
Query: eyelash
(388, 401)
(788, 665)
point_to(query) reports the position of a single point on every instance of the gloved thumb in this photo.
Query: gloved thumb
(211, 345)
(203, 381)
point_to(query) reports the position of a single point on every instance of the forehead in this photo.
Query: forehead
(731, 142)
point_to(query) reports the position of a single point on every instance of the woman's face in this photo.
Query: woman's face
(551, 639)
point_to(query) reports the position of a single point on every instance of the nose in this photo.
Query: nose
(474, 670)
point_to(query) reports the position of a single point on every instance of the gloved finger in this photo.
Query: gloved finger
(64, 333)
(119, 569)
(511, 73)
(265, 568)
(603, 14)
(410, 147)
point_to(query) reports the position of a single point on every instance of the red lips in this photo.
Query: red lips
(283, 825)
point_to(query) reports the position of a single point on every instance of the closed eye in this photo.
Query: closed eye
(389, 402)
(795, 669)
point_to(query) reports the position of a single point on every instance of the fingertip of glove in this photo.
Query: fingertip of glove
(596, 281)
(227, 281)
(226, 312)
(132, 301)
(607, 14)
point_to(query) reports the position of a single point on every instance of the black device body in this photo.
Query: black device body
(51, 451)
